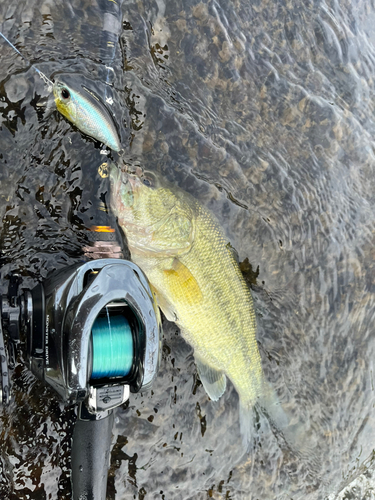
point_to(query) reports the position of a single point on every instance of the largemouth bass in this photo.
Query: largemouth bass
(198, 284)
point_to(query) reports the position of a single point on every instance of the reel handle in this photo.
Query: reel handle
(91, 454)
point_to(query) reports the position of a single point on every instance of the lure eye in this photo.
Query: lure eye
(65, 94)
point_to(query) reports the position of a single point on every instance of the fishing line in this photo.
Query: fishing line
(112, 341)
(49, 82)
(46, 80)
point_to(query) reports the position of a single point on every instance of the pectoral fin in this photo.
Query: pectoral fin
(168, 311)
(182, 285)
(214, 381)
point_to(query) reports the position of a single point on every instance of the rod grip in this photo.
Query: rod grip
(90, 455)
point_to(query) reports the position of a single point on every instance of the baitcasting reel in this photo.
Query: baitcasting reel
(92, 332)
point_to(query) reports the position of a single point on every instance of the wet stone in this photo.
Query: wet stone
(264, 112)
(16, 88)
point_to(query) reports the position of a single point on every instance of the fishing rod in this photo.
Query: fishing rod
(91, 332)
(111, 30)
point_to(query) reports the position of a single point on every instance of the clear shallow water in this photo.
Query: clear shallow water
(264, 112)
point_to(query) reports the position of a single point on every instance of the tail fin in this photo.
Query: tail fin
(270, 406)
(247, 425)
(266, 404)
(250, 419)
(289, 433)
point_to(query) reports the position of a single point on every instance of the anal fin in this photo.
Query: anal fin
(214, 381)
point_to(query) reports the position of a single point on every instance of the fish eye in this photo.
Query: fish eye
(149, 180)
(65, 94)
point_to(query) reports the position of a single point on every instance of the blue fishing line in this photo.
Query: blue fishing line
(42, 75)
(13, 47)
(112, 347)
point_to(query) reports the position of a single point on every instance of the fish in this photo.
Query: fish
(198, 284)
(85, 110)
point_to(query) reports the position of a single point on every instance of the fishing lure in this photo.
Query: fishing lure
(82, 107)
(85, 110)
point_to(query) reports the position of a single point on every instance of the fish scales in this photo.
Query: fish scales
(198, 284)
(217, 319)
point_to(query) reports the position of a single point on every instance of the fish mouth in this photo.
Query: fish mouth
(114, 174)
(134, 182)
(125, 175)
(124, 187)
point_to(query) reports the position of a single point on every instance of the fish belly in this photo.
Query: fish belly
(204, 293)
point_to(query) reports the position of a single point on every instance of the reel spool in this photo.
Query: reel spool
(92, 332)
(112, 347)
